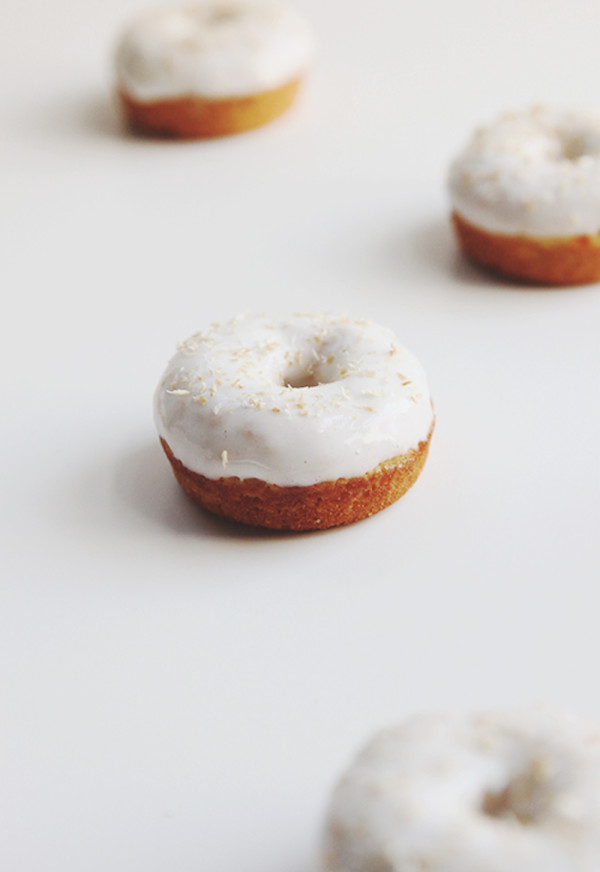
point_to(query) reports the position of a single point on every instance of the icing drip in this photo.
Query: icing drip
(313, 398)
(535, 173)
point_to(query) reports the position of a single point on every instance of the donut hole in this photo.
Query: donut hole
(580, 143)
(574, 147)
(224, 15)
(309, 376)
(525, 799)
(312, 366)
(306, 379)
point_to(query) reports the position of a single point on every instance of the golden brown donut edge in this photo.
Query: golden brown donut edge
(572, 260)
(313, 507)
(200, 117)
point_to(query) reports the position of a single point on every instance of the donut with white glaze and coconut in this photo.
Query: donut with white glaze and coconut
(212, 68)
(499, 792)
(300, 424)
(525, 195)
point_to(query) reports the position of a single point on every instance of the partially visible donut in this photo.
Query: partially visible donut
(211, 69)
(525, 196)
(300, 424)
(488, 793)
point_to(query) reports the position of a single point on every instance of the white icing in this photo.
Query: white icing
(232, 400)
(535, 173)
(492, 793)
(226, 48)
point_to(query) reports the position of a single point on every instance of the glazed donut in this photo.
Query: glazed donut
(298, 424)
(525, 195)
(489, 793)
(211, 69)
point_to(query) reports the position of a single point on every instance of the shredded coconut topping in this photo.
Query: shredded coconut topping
(492, 793)
(347, 403)
(213, 49)
(535, 172)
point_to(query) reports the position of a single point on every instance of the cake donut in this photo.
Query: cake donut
(486, 793)
(525, 195)
(299, 424)
(211, 69)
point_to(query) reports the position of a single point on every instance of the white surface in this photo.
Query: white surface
(178, 693)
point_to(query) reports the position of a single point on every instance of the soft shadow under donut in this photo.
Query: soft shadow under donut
(144, 482)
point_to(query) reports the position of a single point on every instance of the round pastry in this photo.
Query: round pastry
(525, 195)
(300, 424)
(490, 793)
(211, 69)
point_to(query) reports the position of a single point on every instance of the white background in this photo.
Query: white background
(179, 693)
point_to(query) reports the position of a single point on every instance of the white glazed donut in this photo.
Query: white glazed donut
(525, 195)
(489, 793)
(309, 402)
(219, 66)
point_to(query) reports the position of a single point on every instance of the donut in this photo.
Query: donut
(525, 196)
(212, 69)
(496, 792)
(296, 424)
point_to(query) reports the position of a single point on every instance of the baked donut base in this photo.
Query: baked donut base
(200, 117)
(572, 260)
(313, 507)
